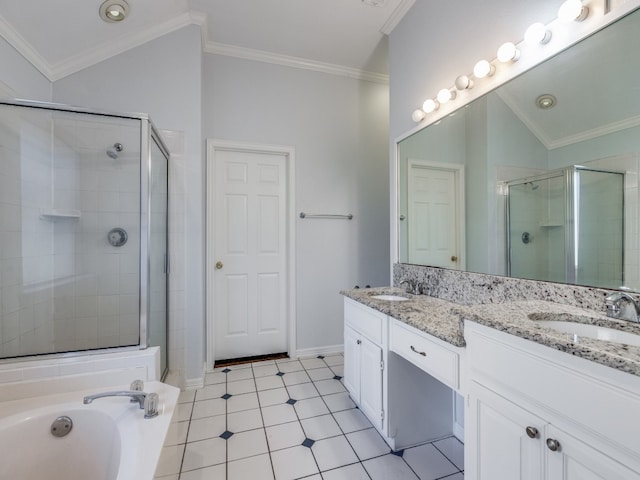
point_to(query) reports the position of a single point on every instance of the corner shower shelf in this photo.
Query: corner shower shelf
(54, 214)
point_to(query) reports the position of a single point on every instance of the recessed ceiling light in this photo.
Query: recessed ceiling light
(114, 10)
(546, 101)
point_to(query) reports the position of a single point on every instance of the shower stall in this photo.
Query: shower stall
(567, 226)
(83, 232)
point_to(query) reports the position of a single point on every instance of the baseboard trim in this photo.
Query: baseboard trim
(195, 383)
(315, 351)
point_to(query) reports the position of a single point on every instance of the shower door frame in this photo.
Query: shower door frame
(572, 217)
(148, 134)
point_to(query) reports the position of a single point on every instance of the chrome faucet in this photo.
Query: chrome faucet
(622, 306)
(135, 395)
(413, 286)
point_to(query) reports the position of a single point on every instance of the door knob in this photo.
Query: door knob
(454, 258)
(219, 265)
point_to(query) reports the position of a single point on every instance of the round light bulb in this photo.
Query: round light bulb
(508, 52)
(537, 34)
(115, 12)
(417, 115)
(430, 106)
(445, 95)
(483, 69)
(572, 10)
(463, 82)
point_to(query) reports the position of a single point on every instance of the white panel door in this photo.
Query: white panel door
(250, 254)
(433, 216)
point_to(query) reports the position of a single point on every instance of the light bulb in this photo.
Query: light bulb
(463, 83)
(572, 10)
(483, 69)
(508, 52)
(445, 95)
(417, 115)
(537, 34)
(430, 105)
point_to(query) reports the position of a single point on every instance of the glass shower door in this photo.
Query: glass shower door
(599, 230)
(536, 229)
(158, 259)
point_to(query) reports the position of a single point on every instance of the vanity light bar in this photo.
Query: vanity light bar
(536, 35)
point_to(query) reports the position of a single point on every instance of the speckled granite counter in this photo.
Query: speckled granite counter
(428, 314)
(445, 320)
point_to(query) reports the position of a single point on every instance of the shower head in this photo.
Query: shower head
(113, 151)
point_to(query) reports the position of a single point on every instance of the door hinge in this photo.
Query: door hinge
(381, 364)
(382, 415)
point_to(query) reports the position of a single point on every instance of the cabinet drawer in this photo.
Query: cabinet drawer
(364, 320)
(424, 353)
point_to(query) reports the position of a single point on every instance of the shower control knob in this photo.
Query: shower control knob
(117, 237)
(219, 265)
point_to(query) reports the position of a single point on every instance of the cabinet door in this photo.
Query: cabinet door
(352, 363)
(573, 459)
(505, 441)
(371, 381)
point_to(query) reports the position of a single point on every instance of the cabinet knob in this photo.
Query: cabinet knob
(553, 444)
(219, 265)
(359, 342)
(532, 432)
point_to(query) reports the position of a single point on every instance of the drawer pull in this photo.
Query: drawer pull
(413, 349)
(532, 432)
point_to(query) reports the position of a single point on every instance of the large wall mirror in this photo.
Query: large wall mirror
(537, 179)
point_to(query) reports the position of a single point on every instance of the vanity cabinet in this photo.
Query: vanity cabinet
(534, 415)
(403, 400)
(364, 342)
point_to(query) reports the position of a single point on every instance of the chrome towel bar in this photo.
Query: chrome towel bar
(325, 215)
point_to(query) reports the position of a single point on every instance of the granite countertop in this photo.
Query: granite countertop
(445, 320)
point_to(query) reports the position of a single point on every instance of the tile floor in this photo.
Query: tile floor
(285, 420)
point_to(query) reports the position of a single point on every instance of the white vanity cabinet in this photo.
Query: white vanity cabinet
(535, 415)
(403, 400)
(364, 355)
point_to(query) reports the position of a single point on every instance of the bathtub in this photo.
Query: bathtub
(110, 438)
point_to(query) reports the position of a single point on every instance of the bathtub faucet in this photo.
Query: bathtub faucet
(134, 395)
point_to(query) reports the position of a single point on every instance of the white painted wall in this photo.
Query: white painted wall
(162, 78)
(20, 79)
(339, 129)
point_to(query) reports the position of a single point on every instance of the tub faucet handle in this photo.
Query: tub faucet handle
(136, 386)
(151, 403)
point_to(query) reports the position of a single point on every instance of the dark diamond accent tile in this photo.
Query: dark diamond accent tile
(280, 374)
(226, 370)
(337, 377)
(308, 443)
(320, 357)
(226, 434)
(398, 453)
(291, 401)
(226, 396)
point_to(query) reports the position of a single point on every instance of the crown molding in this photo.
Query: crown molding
(24, 48)
(216, 48)
(127, 42)
(117, 46)
(396, 16)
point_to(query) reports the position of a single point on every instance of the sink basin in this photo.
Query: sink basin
(390, 298)
(593, 331)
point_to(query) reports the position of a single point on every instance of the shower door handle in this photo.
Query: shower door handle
(219, 265)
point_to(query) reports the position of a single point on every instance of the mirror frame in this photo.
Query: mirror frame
(601, 16)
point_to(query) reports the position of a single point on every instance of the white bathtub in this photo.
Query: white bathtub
(110, 438)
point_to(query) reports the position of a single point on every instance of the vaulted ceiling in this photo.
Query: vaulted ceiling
(346, 37)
